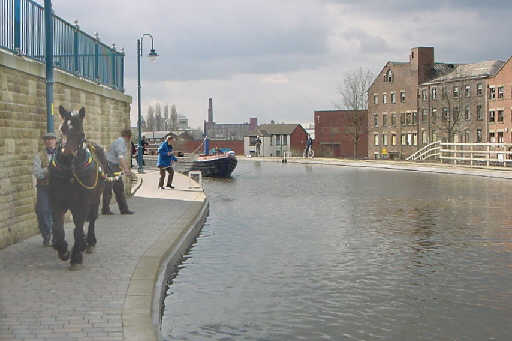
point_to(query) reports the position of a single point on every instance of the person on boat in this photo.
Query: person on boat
(206, 145)
(165, 162)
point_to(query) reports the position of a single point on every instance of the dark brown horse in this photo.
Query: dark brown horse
(76, 184)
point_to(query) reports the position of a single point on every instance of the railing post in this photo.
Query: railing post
(76, 48)
(97, 58)
(113, 66)
(17, 26)
(455, 154)
(471, 156)
(488, 154)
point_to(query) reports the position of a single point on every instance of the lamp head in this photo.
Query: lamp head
(152, 56)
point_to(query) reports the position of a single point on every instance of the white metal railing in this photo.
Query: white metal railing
(472, 154)
(430, 150)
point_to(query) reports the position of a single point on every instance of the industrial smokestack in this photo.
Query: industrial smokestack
(210, 110)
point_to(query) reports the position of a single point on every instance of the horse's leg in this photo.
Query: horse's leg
(59, 236)
(79, 245)
(91, 236)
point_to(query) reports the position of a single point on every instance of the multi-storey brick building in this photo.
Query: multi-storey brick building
(341, 133)
(393, 105)
(499, 112)
(453, 106)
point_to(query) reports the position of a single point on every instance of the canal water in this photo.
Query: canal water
(300, 252)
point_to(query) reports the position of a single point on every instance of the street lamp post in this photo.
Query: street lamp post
(152, 56)
(48, 24)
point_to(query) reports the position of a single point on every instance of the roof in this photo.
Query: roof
(273, 129)
(466, 71)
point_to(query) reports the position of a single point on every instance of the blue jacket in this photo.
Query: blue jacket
(165, 160)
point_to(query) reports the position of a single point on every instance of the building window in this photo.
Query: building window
(455, 91)
(501, 92)
(492, 93)
(455, 113)
(388, 77)
(467, 136)
(384, 139)
(409, 139)
(424, 137)
(415, 139)
(446, 112)
(492, 115)
(479, 89)
(467, 114)
(479, 115)
(384, 120)
(402, 119)
(402, 96)
(393, 120)
(393, 98)
(385, 99)
(375, 99)
(408, 118)
(424, 94)
(479, 135)
(434, 114)
(285, 140)
(467, 91)
(414, 118)
(424, 115)
(434, 93)
(434, 135)
(393, 139)
(500, 137)
(444, 91)
(403, 138)
(376, 139)
(500, 115)
(492, 138)
(278, 140)
(375, 120)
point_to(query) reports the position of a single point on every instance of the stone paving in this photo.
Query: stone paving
(40, 299)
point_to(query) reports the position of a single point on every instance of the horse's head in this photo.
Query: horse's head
(72, 129)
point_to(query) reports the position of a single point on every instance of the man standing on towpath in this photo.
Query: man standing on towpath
(165, 159)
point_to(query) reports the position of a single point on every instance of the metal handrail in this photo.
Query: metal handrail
(420, 152)
(22, 32)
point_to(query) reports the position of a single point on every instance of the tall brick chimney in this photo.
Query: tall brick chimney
(422, 61)
(210, 110)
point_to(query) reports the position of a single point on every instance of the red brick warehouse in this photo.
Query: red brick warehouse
(336, 132)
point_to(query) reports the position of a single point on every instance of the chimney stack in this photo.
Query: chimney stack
(210, 110)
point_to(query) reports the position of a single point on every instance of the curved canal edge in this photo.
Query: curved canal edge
(142, 306)
(425, 167)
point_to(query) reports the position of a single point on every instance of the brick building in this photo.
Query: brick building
(336, 131)
(393, 105)
(453, 106)
(499, 112)
(276, 139)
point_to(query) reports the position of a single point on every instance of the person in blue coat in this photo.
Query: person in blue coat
(165, 162)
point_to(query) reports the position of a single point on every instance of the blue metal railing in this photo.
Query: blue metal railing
(22, 31)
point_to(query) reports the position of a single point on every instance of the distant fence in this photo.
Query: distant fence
(22, 32)
(472, 154)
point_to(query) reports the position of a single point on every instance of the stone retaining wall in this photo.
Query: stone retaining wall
(23, 121)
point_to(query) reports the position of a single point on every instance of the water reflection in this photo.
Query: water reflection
(313, 253)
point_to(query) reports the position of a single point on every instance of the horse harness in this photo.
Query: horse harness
(90, 161)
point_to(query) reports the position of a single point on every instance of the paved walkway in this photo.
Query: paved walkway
(110, 298)
(492, 172)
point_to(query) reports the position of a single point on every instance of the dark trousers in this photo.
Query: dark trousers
(44, 212)
(170, 170)
(117, 187)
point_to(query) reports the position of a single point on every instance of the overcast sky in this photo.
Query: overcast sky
(282, 59)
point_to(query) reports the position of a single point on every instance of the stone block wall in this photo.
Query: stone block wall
(23, 122)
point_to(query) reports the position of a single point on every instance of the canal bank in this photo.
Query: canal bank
(427, 167)
(116, 296)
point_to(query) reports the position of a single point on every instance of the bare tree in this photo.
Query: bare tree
(174, 117)
(354, 94)
(150, 119)
(158, 117)
(166, 117)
